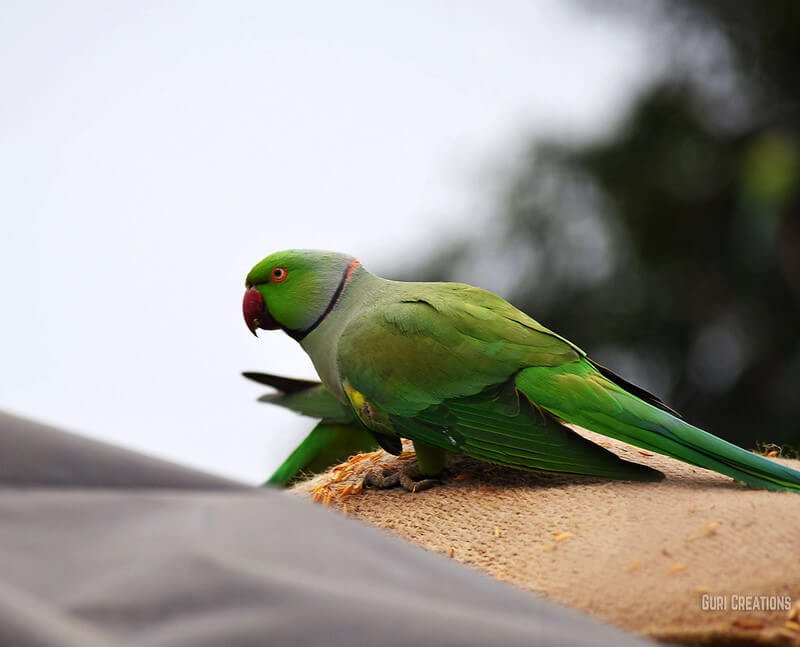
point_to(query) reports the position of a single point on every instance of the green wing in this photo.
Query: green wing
(335, 439)
(442, 342)
(497, 426)
(442, 365)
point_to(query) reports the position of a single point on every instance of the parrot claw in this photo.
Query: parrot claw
(381, 479)
(408, 477)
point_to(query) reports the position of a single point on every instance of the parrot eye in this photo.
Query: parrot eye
(279, 274)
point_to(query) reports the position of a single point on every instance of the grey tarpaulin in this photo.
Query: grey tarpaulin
(101, 546)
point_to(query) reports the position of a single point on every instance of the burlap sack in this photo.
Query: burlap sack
(695, 558)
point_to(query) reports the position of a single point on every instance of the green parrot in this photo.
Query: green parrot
(338, 436)
(457, 369)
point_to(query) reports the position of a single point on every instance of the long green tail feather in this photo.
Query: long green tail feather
(337, 437)
(307, 398)
(579, 394)
(327, 445)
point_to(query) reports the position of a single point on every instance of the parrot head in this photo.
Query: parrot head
(295, 289)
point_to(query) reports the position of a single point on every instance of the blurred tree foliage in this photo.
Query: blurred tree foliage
(670, 251)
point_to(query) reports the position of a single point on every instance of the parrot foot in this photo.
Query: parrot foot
(408, 477)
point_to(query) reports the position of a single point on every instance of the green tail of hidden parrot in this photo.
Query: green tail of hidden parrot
(458, 369)
(336, 437)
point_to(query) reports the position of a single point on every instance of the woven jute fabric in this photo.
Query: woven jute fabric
(695, 558)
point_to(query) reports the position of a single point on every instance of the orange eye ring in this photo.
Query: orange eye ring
(279, 274)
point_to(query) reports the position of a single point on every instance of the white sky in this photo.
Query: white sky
(151, 153)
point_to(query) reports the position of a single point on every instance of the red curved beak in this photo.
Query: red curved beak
(255, 312)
